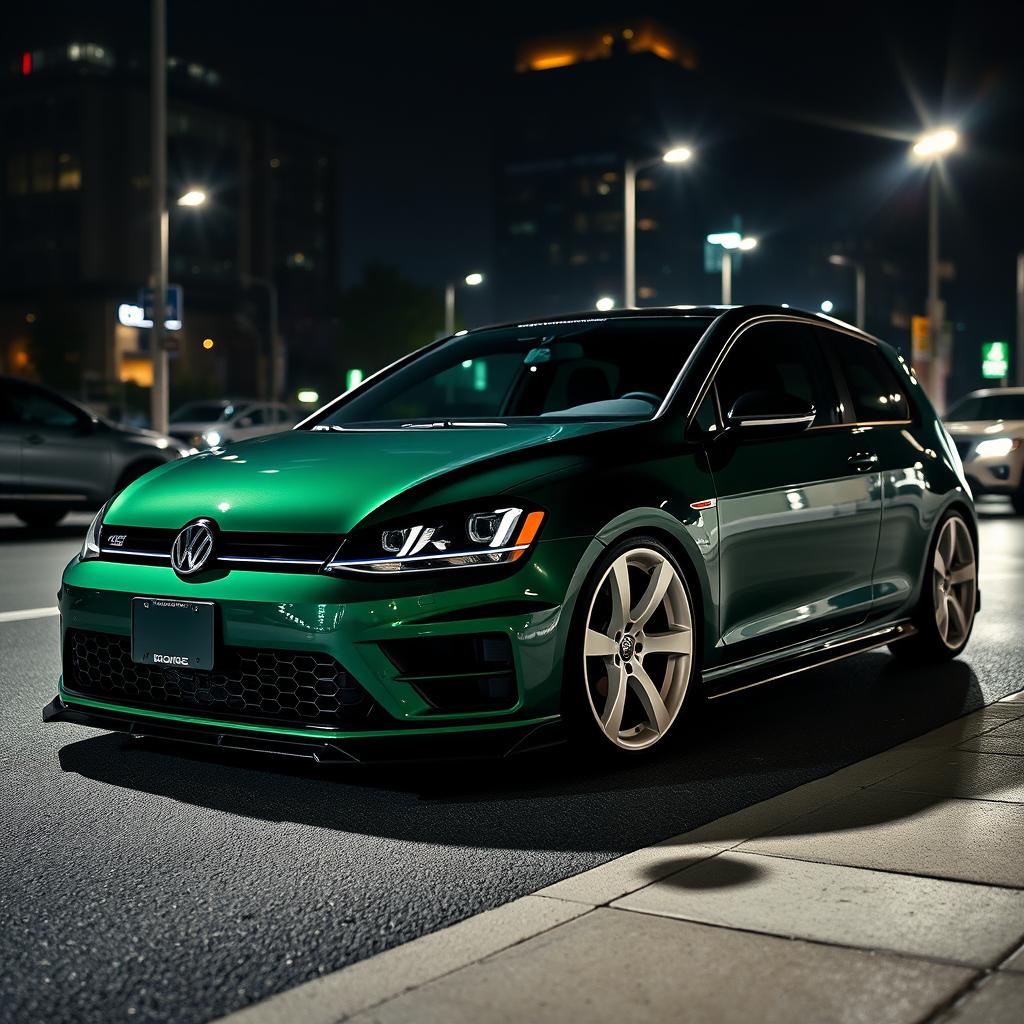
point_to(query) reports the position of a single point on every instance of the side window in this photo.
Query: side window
(34, 408)
(783, 357)
(875, 391)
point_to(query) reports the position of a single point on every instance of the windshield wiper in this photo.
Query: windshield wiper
(449, 424)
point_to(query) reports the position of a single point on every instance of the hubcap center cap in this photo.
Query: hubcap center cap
(627, 645)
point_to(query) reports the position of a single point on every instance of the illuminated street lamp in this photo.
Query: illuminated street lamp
(827, 305)
(605, 303)
(730, 241)
(858, 269)
(675, 155)
(931, 147)
(194, 197)
(472, 280)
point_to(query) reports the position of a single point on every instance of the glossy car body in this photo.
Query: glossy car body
(988, 429)
(796, 548)
(56, 456)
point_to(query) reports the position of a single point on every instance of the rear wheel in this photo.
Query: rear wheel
(41, 518)
(635, 645)
(945, 614)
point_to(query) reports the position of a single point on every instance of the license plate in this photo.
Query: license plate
(172, 633)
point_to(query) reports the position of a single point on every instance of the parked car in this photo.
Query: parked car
(207, 424)
(988, 429)
(56, 457)
(573, 526)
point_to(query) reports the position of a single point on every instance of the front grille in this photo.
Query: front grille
(264, 552)
(285, 687)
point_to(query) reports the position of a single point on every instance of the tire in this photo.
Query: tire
(944, 616)
(42, 518)
(627, 679)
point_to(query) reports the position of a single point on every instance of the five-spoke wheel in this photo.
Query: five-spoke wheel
(638, 646)
(945, 614)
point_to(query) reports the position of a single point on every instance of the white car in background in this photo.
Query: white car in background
(988, 430)
(211, 422)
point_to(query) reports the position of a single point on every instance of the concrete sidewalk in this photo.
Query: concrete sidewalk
(891, 891)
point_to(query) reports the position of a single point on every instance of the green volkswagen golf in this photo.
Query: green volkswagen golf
(571, 528)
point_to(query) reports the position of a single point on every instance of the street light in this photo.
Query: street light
(472, 280)
(194, 197)
(827, 305)
(838, 260)
(931, 147)
(675, 155)
(605, 303)
(729, 241)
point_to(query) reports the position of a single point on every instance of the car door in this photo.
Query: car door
(251, 422)
(799, 514)
(874, 394)
(64, 457)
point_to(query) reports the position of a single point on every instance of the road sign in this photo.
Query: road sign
(174, 306)
(995, 359)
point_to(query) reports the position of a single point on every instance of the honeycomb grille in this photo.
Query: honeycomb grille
(286, 687)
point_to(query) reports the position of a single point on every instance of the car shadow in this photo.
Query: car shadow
(738, 751)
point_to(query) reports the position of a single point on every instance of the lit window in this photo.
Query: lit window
(647, 224)
(647, 292)
(609, 176)
(42, 171)
(645, 185)
(69, 173)
(603, 188)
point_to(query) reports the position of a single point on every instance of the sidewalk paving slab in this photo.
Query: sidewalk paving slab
(999, 999)
(970, 924)
(1008, 738)
(615, 966)
(909, 833)
(965, 775)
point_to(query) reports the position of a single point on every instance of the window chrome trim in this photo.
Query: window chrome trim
(767, 318)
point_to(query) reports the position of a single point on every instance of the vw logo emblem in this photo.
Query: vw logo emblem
(192, 548)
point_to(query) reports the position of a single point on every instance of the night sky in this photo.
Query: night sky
(410, 92)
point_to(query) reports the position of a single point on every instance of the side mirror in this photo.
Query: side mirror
(770, 412)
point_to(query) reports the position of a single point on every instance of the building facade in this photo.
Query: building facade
(75, 229)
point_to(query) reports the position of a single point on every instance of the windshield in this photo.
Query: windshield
(988, 407)
(597, 370)
(203, 412)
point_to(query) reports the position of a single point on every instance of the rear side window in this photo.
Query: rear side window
(875, 391)
(782, 357)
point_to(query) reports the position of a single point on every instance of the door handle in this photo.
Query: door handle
(35, 439)
(863, 460)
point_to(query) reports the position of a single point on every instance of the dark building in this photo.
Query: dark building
(578, 106)
(75, 229)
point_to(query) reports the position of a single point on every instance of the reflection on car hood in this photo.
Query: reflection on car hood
(986, 428)
(317, 482)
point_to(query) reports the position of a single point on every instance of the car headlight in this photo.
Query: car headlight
(452, 540)
(212, 438)
(997, 446)
(91, 544)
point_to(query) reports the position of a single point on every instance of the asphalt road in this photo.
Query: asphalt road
(149, 883)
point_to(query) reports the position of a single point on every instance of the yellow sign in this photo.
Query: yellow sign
(921, 336)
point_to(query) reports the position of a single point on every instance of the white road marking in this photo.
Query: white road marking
(28, 613)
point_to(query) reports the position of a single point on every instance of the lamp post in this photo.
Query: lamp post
(859, 278)
(676, 155)
(730, 241)
(449, 300)
(159, 398)
(931, 147)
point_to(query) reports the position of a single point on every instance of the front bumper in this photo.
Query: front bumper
(996, 474)
(348, 620)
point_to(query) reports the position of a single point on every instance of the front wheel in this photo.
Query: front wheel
(945, 614)
(634, 650)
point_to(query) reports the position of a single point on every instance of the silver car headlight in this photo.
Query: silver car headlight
(997, 446)
(453, 539)
(91, 544)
